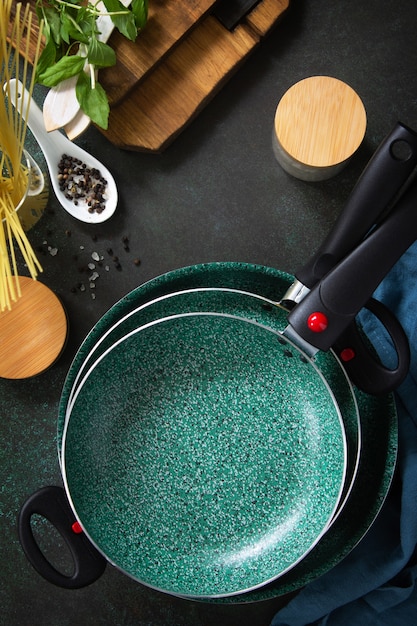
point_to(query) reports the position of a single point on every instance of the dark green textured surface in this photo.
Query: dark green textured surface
(216, 194)
(122, 318)
(204, 454)
(374, 469)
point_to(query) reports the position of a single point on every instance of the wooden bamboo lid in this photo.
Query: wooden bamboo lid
(33, 333)
(320, 122)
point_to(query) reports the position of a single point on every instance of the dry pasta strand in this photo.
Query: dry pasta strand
(13, 127)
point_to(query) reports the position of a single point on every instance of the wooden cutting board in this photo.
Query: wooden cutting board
(177, 64)
(159, 107)
(169, 21)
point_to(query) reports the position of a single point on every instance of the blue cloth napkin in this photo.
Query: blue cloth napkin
(376, 584)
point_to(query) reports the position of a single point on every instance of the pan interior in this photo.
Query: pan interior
(204, 455)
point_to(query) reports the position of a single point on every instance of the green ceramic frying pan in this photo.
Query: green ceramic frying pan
(237, 303)
(300, 312)
(379, 434)
(194, 370)
(234, 477)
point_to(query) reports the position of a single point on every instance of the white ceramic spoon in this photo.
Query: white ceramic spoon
(61, 108)
(61, 104)
(79, 124)
(54, 145)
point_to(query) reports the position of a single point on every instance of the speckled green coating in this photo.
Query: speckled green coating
(203, 456)
(378, 418)
(248, 306)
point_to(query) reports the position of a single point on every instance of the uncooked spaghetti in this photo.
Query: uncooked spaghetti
(14, 168)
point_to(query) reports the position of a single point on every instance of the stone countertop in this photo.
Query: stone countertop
(216, 194)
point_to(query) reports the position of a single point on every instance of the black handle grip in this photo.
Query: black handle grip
(379, 184)
(362, 364)
(328, 309)
(51, 503)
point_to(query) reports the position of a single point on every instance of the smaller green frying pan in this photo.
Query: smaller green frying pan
(227, 458)
(251, 307)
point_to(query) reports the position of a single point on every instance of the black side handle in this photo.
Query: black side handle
(361, 363)
(331, 306)
(52, 504)
(380, 183)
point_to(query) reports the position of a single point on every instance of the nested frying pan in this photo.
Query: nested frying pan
(194, 398)
(236, 323)
(388, 170)
(379, 435)
(381, 183)
(199, 391)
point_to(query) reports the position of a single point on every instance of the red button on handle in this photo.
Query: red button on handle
(52, 503)
(76, 528)
(317, 322)
(347, 354)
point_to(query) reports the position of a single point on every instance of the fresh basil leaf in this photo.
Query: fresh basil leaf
(46, 58)
(93, 101)
(126, 25)
(65, 68)
(66, 28)
(68, 24)
(86, 23)
(46, 31)
(77, 34)
(125, 22)
(53, 18)
(140, 11)
(100, 54)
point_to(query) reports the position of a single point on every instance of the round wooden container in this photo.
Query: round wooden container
(33, 332)
(320, 122)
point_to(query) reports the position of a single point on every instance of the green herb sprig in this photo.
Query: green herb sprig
(71, 41)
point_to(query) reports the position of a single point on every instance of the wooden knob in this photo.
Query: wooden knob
(320, 122)
(33, 333)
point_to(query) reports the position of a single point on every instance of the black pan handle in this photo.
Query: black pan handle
(384, 176)
(52, 504)
(328, 309)
(363, 367)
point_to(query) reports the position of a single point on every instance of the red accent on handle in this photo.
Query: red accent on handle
(76, 528)
(347, 354)
(317, 322)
